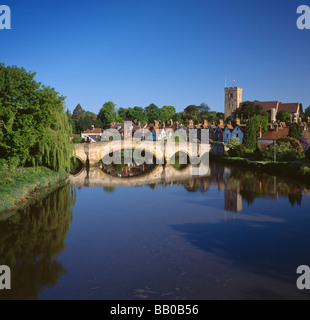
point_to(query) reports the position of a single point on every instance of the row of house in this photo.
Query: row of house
(217, 132)
(152, 132)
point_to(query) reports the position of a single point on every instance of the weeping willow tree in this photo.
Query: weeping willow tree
(34, 128)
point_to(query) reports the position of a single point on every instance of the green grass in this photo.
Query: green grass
(295, 170)
(18, 186)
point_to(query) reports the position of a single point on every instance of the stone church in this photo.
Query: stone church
(233, 101)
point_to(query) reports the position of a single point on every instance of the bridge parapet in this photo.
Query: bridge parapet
(94, 152)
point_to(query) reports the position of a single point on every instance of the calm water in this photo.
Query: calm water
(232, 234)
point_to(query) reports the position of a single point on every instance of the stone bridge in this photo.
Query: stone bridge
(162, 151)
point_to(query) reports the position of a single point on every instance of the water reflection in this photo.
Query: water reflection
(238, 184)
(31, 240)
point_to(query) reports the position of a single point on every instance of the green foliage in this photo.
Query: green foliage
(34, 128)
(139, 114)
(307, 112)
(107, 114)
(166, 113)
(238, 151)
(233, 143)
(77, 140)
(152, 112)
(248, 110)
(261, 120)
(190, 113)
(283, 116)
(177, 117)
(295, 131)
(287, 149)
(294, 143)
(250, 134)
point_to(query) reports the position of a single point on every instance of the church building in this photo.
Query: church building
(233, 101)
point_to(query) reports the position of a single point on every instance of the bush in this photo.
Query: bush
(233, 143)
(77, 140)
(288, 149)
(304, 143)
(238, 151)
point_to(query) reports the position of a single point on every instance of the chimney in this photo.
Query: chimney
(221, 121)
(229, 123)
(92, 128)
(171, 122)
(260, 132)
(139, 123)
(237, 121)
(191, 122)
(156, 123)
(276, 127)
(205, 123)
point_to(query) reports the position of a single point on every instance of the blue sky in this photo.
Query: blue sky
(167, 52)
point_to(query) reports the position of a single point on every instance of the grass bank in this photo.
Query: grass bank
(19, 186)
(294, 170)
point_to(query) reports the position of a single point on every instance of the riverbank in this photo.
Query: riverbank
(20, 186)
(293, 170)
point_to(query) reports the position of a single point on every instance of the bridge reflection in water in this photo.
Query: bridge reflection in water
(237, 184)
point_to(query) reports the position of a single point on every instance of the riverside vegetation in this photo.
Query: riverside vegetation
(35, 149)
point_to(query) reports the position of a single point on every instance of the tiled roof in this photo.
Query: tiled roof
(268, 105)
(275, 135)
(290, 107)
(95, 130)
(265, 145)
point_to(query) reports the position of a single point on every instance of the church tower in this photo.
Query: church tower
(233, 100)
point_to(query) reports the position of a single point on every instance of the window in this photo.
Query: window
(227, 135)
(237, 135)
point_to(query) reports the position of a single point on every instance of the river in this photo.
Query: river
(161, 234)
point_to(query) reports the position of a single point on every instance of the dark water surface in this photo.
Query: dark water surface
(232, 234)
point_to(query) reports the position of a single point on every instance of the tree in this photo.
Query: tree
(71, 121)
(307, 112)
(191, 112)
(295, 130)
(34, 128)
(139, 114)
(261, 120)
(283, 116)
(152, 112)
(249, 109)
(107, 114)
(166, 113)
(204, 110)
(89, 119)
(250, 135)
(177, 117)
(78, 113)
(122, 113)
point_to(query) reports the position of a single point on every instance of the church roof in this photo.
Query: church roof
(290, 107)
(268, 105)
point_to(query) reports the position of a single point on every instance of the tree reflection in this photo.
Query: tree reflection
(31, 240)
